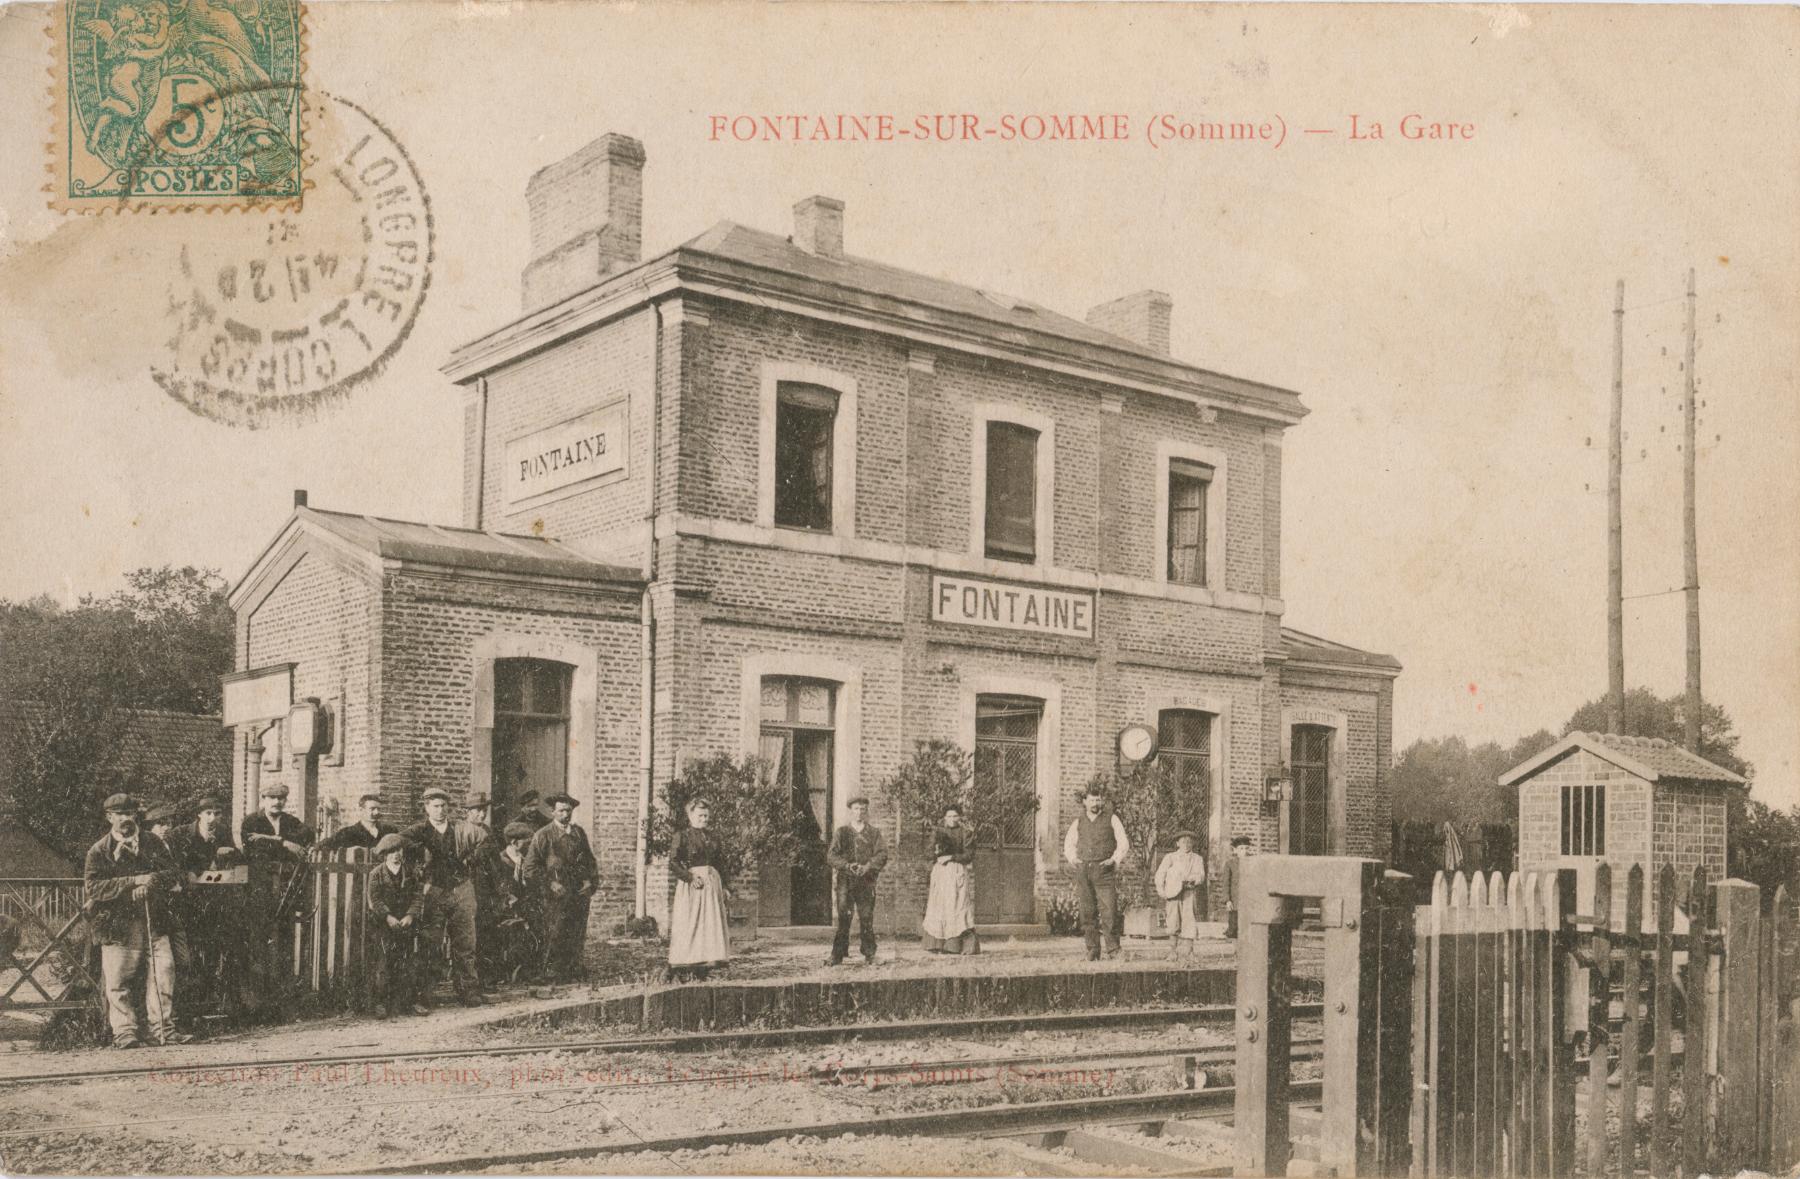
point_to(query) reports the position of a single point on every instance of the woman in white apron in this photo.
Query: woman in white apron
(698, 936)
(949, 923)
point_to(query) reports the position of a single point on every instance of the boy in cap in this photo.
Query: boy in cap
(859, 854)
(128, 877)
(1178, 881)
(560, 868)
(397, 905)
(454, 853)
(518, 916)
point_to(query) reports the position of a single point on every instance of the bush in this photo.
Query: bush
(752, 814)
(941, 773)
(1063, 916)
(1152, 804)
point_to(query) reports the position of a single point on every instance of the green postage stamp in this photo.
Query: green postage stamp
(178, 104)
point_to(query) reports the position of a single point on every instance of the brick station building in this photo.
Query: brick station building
(758, 495)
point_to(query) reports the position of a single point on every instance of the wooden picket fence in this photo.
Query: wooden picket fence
(330, 950)
(1527, 1013)
(1510, 1028)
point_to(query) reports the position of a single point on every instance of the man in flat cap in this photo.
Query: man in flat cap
(476, 808)
(560, 868)
(397, 908)
(455, 852)
(128, 877)
(858, 854)
(367, 831)
(216, 911)
(276, 844)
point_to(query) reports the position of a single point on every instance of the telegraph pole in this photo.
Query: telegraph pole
(1690, 545)
(1615, 526)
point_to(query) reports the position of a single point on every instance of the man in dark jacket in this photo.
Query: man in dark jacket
(275, 843)
(368, 831)
(858, 853)
(561, 871)
(215, 908)
(454, 853)
(128, 878)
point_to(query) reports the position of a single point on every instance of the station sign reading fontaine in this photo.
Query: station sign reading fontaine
(1011, 606)
(567, 453)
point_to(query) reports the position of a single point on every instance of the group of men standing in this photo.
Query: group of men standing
(199, 921)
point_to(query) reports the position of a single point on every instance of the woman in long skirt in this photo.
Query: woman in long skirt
(949, 923)
(698, 935)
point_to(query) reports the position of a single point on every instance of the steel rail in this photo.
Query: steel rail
(683, 1041)
(1211, 1054)
(980, 1121)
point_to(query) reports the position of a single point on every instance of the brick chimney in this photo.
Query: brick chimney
(587, 219)
(1142, 318)
(819, 226)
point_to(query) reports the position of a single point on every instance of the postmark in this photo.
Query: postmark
(273, 318)
(178, 104)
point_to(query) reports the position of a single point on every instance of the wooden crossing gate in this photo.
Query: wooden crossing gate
(1510, 1028)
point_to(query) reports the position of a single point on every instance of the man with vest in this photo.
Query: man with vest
(1095, 847)
(455, 852)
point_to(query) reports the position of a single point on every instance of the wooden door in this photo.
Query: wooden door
(1006, 749)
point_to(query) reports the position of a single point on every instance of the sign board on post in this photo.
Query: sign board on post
(259, 694)
(559, 456)
(1012, 606)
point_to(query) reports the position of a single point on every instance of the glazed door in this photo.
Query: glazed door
(798, 742)
(1310, 809)
(1006, 749)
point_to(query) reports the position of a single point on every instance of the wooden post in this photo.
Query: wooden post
(1526, 1041)
(1394, 1020)
(1265, 988)
(1662, 995)
(1740, 922)
(1423, 996)
(1629, 1032)
(1485, 993)
(1696, 1032)
(1615, 527)
(1599, 997)
(1560, 1094)
(1351, 966)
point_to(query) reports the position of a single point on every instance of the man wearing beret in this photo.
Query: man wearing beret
(215, 911)
(455, 852)
(560, 868)
(128, 877)
(275, 843)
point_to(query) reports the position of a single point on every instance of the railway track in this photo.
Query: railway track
(1012, 1119)
(690, 1041)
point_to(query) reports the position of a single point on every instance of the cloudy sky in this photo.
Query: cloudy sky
(1443, 307)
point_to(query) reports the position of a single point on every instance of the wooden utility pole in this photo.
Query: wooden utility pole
(1690, 545)
(1615, 529)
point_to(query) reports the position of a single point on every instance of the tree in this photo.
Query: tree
(1650, 715)
(71, 678)
(1444, 779)
(752, 813)
(1765, 846)
(940, 773)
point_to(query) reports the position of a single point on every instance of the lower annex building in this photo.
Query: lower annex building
(759, 495)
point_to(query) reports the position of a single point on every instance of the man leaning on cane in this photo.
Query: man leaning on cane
(127, 880)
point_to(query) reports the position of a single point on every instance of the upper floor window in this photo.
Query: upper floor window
(1189, 483)
(1012, 507)
(805, 421)
(1584, 820)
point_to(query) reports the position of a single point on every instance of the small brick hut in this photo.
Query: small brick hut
(1602, 797)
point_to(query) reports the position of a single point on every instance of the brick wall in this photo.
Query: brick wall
(318, 616)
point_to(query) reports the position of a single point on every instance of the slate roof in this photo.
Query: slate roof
(1299, 645)
(466, 548)
(758, 247)
(1650, 758)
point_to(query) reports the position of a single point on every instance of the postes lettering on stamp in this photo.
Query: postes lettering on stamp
(274, 318)
(179, 104)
